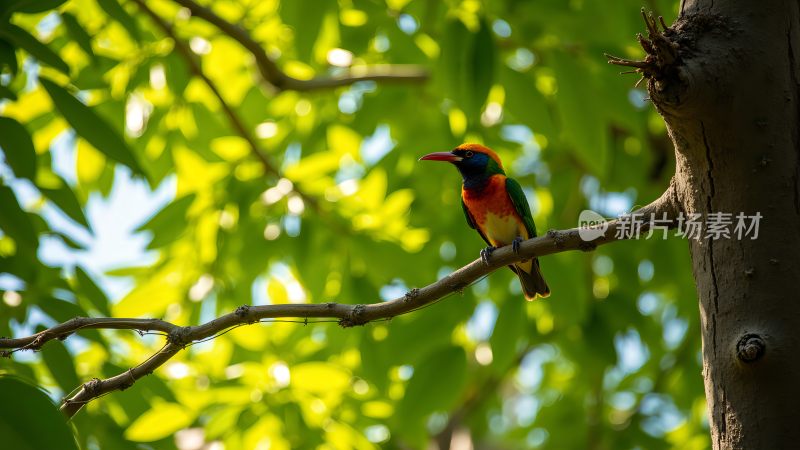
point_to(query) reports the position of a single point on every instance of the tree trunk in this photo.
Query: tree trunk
(731, 101)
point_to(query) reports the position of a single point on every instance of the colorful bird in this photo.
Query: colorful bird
(495, 206)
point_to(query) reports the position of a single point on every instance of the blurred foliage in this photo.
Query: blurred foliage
(609, 361)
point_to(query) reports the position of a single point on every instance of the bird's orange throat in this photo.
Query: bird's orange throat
(493, 211)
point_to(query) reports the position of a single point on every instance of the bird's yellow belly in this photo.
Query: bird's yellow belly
(502, 230)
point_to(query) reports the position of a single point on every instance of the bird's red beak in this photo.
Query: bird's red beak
(441, 156)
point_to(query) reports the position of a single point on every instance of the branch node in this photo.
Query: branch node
(355, 318)
(459, 287)
(411, 295)
(750, 348)
(129, 383)
(557, 237)
(180, 336)
(92, 387)
(242, 311)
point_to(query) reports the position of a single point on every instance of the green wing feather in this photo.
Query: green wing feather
(471, 222)
(521, 205)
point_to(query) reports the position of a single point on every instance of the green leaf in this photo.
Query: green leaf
(436, 384)
(68, 241)
(77, 33)
(159, 422)
(90, 126)
(30, 44)
(62, 311)
(480, 72)
(320, 377)
(579, 110)
(177, 73)
(87, 288)
(18, 148)
(506, 334)
(305, 17)
(8, 57)
(5, 92)
(169, 223)
(59, 361)
(15, 222)
(118, 13)
(65, 199)
(29, 420)
(454, 59)
(525, 103)
(31, 6)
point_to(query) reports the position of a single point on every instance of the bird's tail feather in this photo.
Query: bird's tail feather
(533, 284)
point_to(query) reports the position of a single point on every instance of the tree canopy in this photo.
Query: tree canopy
(165, 159)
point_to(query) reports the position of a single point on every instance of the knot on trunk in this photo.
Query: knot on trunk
(750, 348)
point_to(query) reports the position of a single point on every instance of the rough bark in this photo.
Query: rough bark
(731, 102)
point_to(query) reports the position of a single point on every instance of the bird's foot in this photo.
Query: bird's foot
(486, 254)
(515, 244)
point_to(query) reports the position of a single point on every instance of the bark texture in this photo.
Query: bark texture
(731, 101)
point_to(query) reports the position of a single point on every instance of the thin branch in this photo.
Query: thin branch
(272, 74)
(348, 315)
(233, 117)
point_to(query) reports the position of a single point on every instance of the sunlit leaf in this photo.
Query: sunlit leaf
(30, 44)
(77, 33)
(319, 377)
(65, 199)
(277, 292)
(161, 421)
(91, 126)
(118, 13)
(169, 223)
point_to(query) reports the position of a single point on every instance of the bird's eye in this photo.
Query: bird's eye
(468, 154)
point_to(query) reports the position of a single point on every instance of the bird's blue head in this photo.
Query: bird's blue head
(475, 162)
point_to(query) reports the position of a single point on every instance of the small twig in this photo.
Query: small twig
(281, 81)
(237, 123)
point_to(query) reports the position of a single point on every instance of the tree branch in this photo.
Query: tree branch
(281, 81)
(233, 117)
(348, 315)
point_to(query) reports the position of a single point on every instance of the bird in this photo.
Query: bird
(497, 208)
